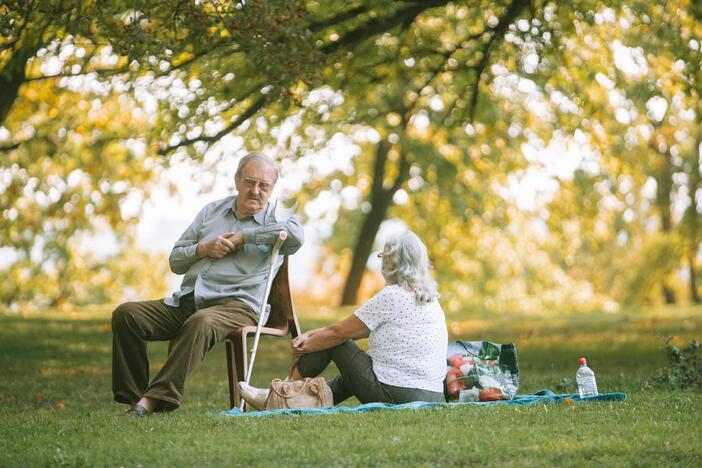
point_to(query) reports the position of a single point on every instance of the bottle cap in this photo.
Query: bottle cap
(582, 361)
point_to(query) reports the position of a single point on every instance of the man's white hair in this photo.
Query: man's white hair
(256, 157)
(406, 263)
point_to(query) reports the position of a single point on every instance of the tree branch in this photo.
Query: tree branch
(245, 95)
(403, 171)
(8, 45)
(377, 25)
(336, 19)
(498, 32)
(125, 69)
(381, 155)
(10, 147)
(253, 108)
(100, 71)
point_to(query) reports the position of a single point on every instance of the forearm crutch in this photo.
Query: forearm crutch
(262, 316)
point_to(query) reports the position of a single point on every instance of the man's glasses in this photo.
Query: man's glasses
(263, 186)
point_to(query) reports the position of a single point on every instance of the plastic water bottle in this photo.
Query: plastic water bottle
(587, 387)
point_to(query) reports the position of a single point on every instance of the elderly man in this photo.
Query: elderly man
(224, 256)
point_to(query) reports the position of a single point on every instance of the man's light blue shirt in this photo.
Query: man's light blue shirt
(238, 275)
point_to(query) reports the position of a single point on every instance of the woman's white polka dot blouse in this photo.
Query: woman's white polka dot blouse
(407, 341)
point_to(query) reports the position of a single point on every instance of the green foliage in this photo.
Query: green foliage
(82, 159)
(416, 89)
(617, 92)
(467, 95)
(657, 259)
(79, 130)
(566, 385)
(77, 276)
(684, 366)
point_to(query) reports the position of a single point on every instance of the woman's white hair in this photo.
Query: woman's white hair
(406, 263)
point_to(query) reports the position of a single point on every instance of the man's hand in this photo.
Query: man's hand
(220, 246)
(236, 238)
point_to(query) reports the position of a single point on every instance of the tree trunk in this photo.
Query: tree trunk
(664, 182)
(381, 200)
(12, 76)
(668, 294)
(693, 217)
(694, 295)
(364, 243)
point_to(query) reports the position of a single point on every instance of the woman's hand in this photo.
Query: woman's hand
(298, 344)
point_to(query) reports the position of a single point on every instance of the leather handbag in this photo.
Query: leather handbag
(299, 394)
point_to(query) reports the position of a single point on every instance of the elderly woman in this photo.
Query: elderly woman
(406, 331)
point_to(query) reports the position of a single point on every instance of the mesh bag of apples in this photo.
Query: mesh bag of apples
(481, 371)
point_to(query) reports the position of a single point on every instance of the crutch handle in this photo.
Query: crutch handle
(282, 235)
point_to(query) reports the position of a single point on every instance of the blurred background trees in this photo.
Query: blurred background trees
(548, 154)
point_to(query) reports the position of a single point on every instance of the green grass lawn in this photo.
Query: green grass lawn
(57, 406)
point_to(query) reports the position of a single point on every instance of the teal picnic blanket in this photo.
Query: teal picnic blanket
(544, 396)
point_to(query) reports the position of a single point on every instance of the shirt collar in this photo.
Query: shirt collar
(259, 217)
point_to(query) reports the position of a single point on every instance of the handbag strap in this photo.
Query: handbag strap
(287, 386)
(293, 363)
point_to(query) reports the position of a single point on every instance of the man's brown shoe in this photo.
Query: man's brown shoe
(137, 410)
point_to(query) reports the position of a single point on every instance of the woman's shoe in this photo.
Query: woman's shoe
(256, 397)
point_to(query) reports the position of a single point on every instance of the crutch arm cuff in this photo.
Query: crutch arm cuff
(249, 235)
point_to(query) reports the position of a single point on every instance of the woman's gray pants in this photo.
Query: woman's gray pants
(357, 378)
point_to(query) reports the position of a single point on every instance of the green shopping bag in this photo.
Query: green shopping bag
(481, 371)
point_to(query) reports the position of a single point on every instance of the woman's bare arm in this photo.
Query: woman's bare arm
(352, 328)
